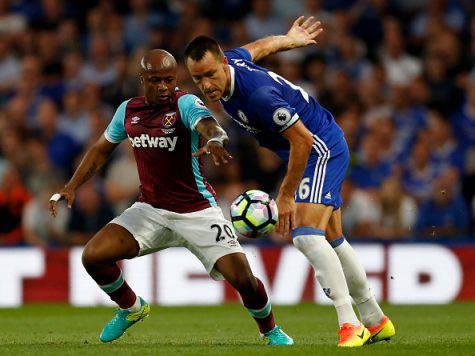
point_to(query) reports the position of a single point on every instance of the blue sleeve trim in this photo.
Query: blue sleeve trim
(338, 242)
(115, 131)
(192, 110)
(306, 230)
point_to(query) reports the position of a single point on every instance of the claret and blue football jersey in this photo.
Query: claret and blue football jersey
(163, 139)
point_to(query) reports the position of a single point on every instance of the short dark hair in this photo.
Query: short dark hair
(198, 47)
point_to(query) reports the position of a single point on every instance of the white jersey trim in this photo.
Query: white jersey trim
(320, 169)
(231, 89)
(108, 138)
(292, 121)
(201, 118)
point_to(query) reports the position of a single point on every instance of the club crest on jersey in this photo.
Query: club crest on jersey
(281, 116)
(242, 116)
(168, 121)
(134, 120)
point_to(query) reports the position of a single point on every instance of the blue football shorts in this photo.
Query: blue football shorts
(324, 175)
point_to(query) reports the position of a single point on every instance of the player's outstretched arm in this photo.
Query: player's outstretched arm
(301, 34)
(92, 161)
(216, 138)
(301, 141)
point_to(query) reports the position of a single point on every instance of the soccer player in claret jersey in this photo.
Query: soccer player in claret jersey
(177, 207)
(285, 119)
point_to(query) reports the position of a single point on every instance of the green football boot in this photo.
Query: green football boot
(123, 320)
(277, 337)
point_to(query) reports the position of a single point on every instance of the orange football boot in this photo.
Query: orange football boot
(353, 335)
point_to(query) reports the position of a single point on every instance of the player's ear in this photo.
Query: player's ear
(224, 60)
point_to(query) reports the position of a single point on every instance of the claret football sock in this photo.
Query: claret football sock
(328, 271)
(370, 312)
(260, 307)
(110, 280)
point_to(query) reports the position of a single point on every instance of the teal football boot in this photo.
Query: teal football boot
(277, 337)
(123, 320)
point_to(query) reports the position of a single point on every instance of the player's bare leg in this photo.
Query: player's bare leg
(372, 316)
(309, 238)
(236, 270)
(111, 244)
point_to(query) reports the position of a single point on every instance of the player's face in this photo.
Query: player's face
(209, 75)
(159, 86)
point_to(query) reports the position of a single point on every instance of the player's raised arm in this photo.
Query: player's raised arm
(302, 33)
(216, 139)
(92, 161)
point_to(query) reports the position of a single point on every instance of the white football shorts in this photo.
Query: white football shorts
(206, 233)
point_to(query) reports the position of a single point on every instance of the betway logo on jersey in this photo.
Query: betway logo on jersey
(144, 140)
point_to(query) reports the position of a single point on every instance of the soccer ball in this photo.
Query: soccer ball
(254, 213)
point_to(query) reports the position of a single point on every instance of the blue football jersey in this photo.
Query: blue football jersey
(266, 104)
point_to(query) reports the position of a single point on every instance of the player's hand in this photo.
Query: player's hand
(303, 33)
(287, 214)
(219, 154)
(65, 194)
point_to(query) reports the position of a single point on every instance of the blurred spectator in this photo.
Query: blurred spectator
(261, 23)
(74, 121)
(370, 169)
(408, 120)
(13, 198)
(139, 23)
(463, 120)
(98, 69)
(399, 65)
(9, 66)
(122, 180)
(391, 214)
(446, 153)
(11, 23)
(419, 172)
(444, 214)
(61, 147)
(448, 12)
(89, 214)
(40, 228)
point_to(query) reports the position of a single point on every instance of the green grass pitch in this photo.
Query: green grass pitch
(228, 330)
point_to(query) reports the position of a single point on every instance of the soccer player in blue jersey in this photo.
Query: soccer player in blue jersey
(285, 119)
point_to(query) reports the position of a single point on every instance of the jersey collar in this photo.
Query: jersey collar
(231, 88)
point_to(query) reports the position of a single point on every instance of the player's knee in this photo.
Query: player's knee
(93, 255)
(89, 257)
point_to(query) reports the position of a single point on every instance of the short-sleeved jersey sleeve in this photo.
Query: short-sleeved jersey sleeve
(115, 132)
(192, 110)
(238, 53)
(268, 106)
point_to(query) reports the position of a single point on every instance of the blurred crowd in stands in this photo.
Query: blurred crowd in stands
(399, 77)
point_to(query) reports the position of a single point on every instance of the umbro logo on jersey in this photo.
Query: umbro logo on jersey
(144, 140)
(328, 196)
(134, 120)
